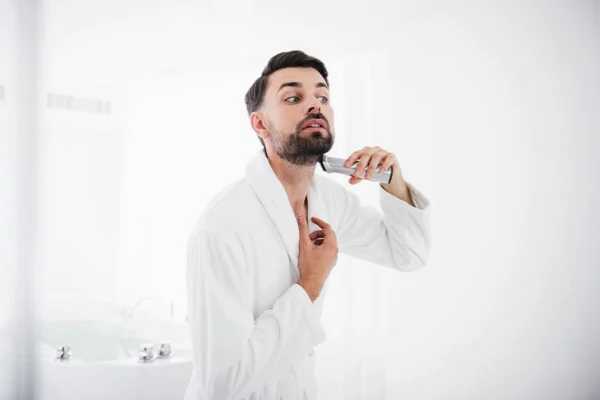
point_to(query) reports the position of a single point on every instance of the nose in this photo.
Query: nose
(314, 106)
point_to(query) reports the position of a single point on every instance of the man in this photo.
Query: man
(260, 256)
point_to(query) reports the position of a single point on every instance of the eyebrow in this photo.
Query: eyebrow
(299, 85)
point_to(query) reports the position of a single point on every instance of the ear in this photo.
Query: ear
(258, 124)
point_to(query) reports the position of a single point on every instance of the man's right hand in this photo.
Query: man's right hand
(316, 260)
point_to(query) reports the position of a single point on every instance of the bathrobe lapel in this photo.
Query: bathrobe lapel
(272, 195)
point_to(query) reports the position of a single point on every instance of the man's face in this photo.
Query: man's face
(294, 97)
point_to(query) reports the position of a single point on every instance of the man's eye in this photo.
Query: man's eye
(323, 97)
(293, 97)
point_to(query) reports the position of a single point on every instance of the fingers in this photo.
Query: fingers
(374, 162)
(323, 225)
(303, 228)
(317, 235)
(388, 161)
(365, 159)
(353, 157)
(354, 181)
(326, 234)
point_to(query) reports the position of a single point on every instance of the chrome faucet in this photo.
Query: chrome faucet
(164, 350)
(63, 353)
(146, 353)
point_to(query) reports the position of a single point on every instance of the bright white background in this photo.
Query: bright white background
(491, 107)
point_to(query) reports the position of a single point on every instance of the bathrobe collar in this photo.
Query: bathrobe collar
(273, 197)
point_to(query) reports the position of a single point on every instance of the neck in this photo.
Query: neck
(296, 181)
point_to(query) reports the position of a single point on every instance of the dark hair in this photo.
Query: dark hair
(290, 59)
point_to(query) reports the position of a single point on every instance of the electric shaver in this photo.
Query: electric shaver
(336, 166)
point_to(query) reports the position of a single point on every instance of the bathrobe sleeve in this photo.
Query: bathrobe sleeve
(235, 354)
(400, 238)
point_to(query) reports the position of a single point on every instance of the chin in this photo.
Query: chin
(319, 134)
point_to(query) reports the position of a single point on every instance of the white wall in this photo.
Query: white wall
(490, 107)
(80, 174)
(497, 117)
(8, 195)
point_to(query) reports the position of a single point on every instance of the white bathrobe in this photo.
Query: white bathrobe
(253, 328)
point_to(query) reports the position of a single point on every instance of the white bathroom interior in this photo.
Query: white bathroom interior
(136, 119)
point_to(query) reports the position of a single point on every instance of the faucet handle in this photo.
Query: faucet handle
(164, 350)
(146, 353)
(63, 353)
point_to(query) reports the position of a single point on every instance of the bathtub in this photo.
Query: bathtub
(104, 362)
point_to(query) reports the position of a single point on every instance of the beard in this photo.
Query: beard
(302, 148)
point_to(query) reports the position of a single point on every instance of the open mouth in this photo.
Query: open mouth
(314, 124)
(313, 128)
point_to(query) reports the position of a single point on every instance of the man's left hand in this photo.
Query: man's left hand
(377, 159)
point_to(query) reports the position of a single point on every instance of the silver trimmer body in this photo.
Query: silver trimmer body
(336, 166)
